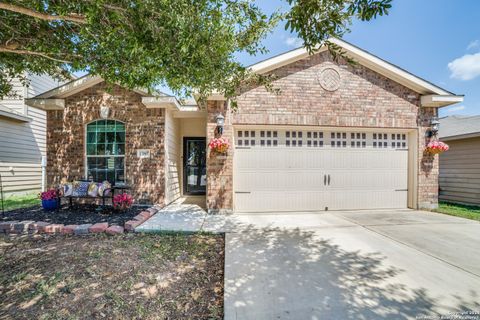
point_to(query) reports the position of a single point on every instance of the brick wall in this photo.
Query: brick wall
(219, 167)
(144, 130)
(364, 98)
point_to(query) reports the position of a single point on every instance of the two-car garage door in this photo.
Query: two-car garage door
(314, 170)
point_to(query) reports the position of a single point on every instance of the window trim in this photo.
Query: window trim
(86, 156)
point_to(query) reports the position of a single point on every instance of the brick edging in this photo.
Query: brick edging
(42, 227)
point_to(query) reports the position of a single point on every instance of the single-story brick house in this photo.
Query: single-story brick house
(460, 166)
(336, 136)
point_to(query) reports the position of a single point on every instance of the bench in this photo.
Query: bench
(110, 194)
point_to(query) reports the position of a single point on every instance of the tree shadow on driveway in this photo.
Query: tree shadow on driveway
(297, 274)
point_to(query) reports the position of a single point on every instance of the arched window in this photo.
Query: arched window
(106, 151)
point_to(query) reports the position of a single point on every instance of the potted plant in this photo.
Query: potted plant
(436, 147)
(219, 145)
(122, 202)
(50, 200)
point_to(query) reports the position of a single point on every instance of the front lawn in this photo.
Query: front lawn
(459, 210)
(133, 276)
(16, 202)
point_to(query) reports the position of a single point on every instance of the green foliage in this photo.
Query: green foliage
(188, 45)
(24, 201)
(459, 210)
(315, 21)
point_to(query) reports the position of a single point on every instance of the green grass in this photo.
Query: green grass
(459, 210)
(16, 202)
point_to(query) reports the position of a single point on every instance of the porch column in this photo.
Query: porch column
(219, 167)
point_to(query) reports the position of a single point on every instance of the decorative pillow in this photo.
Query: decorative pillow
(80, 188)
(67, 189)
(104, 189)
(93, 189)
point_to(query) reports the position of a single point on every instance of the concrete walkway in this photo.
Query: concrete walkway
(392, 264)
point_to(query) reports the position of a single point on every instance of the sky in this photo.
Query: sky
(438, 40)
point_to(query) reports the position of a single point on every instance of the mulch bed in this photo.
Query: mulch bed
(78, 214)
(132, 276)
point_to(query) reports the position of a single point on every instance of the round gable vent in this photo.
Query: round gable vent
(329, 79)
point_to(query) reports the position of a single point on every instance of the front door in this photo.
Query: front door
(194, 169)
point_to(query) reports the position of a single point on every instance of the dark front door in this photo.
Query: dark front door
(194, 170)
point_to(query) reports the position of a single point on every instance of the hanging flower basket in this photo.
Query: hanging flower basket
(219, 145)
(436, 147)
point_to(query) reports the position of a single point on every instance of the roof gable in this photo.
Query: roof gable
(363, 57)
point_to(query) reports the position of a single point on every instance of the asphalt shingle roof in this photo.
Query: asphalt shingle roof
(459, 125)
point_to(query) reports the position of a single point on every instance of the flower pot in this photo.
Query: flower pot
(50, 205)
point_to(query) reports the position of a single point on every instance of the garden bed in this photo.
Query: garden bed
(131, 276)
(78, 214)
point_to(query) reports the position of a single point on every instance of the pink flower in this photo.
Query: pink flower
(435, 147)
(220, 145)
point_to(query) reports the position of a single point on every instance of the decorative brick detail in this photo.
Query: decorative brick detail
(98, 227)
(363, 98)
(145, 129)
(112, 230)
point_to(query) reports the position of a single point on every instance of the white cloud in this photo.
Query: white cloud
(473, 44)
(466, 67)
(456, 108)
(293, 42)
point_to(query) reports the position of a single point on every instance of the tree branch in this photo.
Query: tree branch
(31, 53)
(41, 15)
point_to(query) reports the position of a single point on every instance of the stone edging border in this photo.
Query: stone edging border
(33, 227)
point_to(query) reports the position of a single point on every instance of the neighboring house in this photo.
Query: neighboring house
(23, 136)
(336, 136)
(460, 165)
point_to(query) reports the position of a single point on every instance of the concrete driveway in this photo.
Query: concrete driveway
(397, 264)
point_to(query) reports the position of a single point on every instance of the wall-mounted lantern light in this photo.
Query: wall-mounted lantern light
(435, 126)
(220, 123)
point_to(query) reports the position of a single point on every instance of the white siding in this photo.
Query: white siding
(460, 172)
(22, 144)
(15, 103)
(40, 84)
(172, 158)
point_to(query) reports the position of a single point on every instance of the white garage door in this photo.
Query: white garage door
(306, 170)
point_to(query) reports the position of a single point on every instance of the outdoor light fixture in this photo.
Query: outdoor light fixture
(435, 126)
(220, 123)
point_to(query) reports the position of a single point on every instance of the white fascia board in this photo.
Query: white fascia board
(438, 101)
(167, 102)
(72, 87)
(46, 104)
(389, 70)
(461, 136)
(282, 60)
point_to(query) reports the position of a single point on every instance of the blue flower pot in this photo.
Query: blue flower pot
(50, 205)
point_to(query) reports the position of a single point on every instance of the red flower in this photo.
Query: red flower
(49, 194)
(122, 201)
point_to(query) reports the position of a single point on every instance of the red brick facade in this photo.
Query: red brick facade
(364, 98)
(145, 129)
